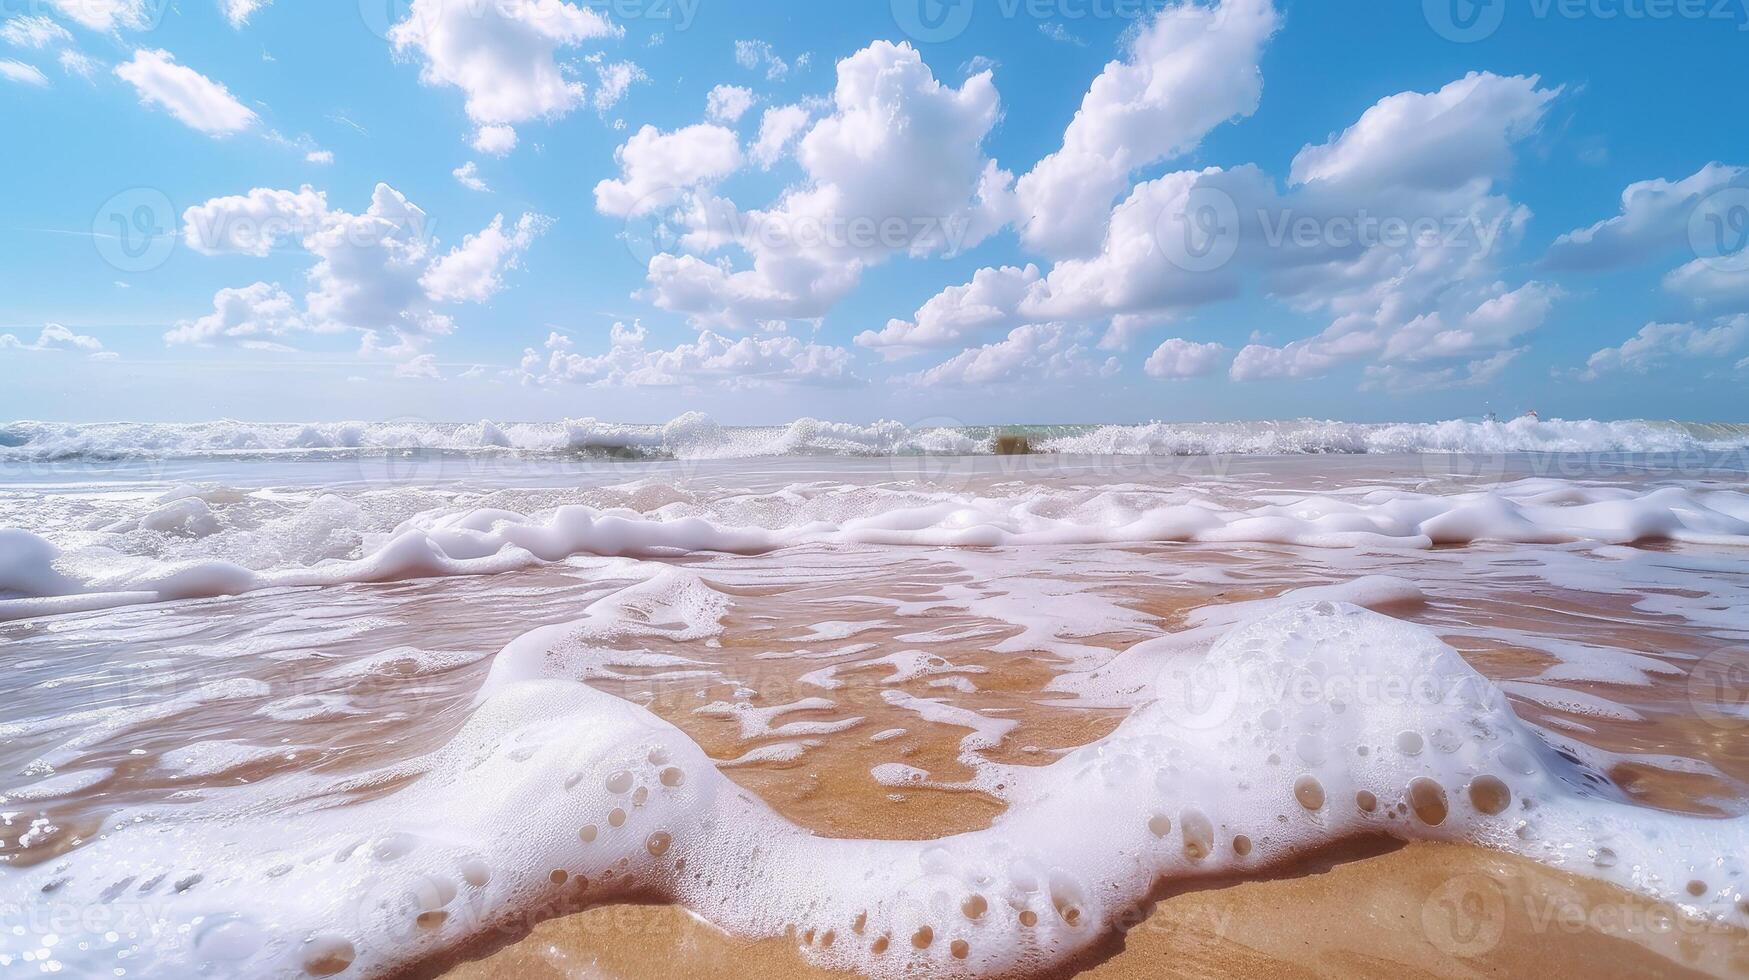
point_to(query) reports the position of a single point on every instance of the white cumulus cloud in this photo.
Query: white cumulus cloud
(1189, 69)
(779, 127)
(468, 175)
(250, 313)
(1178, 358)
(254, 223)
(503, 55)
(54, 337)
(657, 167)
(726, 104)
(897, 167)
(378, 272)
(473, 271)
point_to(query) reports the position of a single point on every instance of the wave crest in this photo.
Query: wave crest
(697, 436)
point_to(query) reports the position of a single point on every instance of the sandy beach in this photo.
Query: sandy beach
(1373, 716)
(1370, 909)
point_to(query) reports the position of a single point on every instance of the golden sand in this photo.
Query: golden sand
(1369, 909)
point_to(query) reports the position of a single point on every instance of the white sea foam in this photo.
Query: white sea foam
(203, 760)
(695, 436)
(1318, 722)
(757, 721)
(38, 578)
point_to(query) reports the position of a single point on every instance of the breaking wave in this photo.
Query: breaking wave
(696, 436)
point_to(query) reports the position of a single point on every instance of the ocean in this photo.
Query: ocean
(375, 699)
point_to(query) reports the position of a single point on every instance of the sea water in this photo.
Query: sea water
(312, 700)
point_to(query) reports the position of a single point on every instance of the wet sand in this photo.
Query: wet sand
(1369, 909)
(1365, 908)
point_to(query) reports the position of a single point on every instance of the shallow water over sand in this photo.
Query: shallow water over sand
(872, 689)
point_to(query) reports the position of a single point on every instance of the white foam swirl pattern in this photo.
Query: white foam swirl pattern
(555, 796)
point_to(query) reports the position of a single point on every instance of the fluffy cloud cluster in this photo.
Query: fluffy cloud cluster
(1393, 228)
(657, 168)
(254, 223)
(726, 104)
(778, 129)
(1189, 70)
(1178, 358)
(251, 316)
(710, 359)
(895, 167)
(1434, 157)
(503, 56)
(473, 272)
(1389, 234)
(377, 272)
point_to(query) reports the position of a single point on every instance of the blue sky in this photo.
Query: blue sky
(501, 298)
